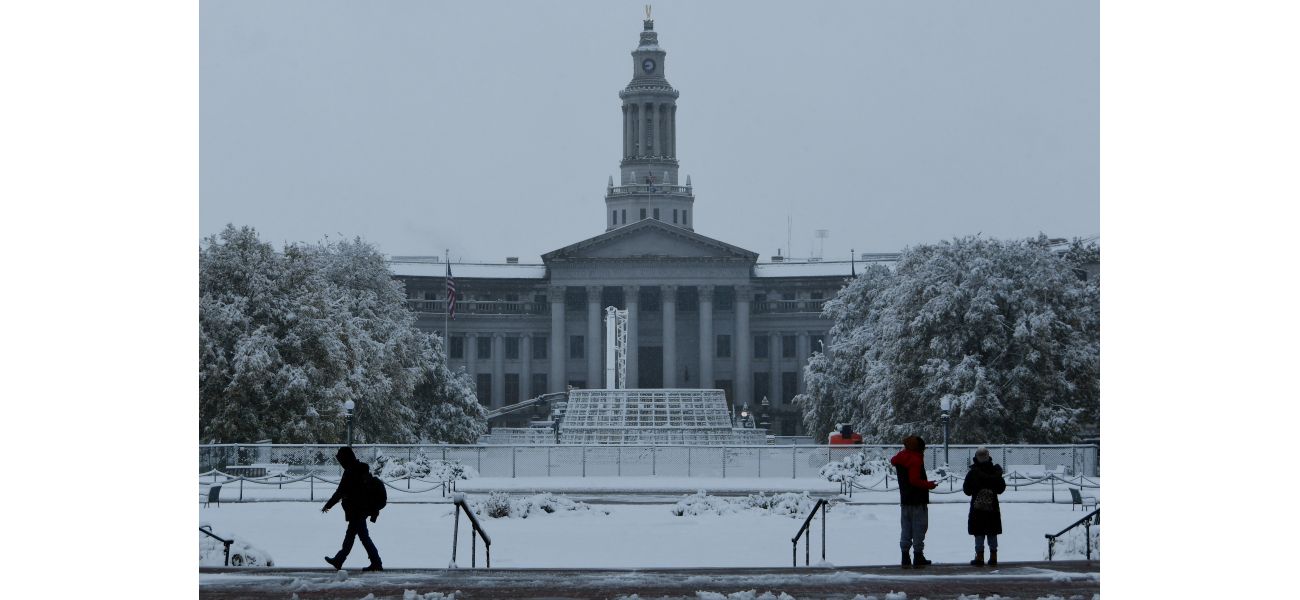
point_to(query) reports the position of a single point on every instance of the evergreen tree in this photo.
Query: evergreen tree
(286, 338)
(1007, 331)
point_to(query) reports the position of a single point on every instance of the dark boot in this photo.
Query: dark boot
(374, 567)
(338, 566)
(993, 557)
(907, 560)
(979, 558)
(919, 560)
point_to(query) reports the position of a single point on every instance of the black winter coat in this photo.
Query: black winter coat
(352, 491)
(984, 476)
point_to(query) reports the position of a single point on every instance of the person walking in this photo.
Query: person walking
(356, 507)
(914, 500)
(983, 484)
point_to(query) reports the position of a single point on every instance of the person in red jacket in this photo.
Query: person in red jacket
(914, 499)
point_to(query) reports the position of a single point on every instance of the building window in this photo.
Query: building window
(643, 214)
(723, 346)
(576, 346)
(656, 214)
(674, 216)
(484, 348)
(816, 343)
(816, 295)
(649, 299)
(539, 347)
(512, 388)
(624, 215)
(684, 220)
(539, 384)
(789, 386)
(724, 298)
(458, 346)
(512, 348)
(613, 218)
(575, 299)
(787, 346)
(761, 381)
(760, 346)
(483, 388)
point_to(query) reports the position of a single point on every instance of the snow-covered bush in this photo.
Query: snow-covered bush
(853, 465)
(500, 504)
(419, 467)
(1073, 545)
(701, 503)
(242, 554)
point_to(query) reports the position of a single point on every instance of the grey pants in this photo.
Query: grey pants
(993, 542)
(916, 520)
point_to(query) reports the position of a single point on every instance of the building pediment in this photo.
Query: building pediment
(650, 239)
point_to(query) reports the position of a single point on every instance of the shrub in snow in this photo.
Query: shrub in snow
(853, 465)
(500, 504)
(419, 467)
(242, 554)
(749, 595)
(1073, 544)
(787, 504)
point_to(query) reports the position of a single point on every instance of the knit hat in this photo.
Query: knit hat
(914, 443)
(982, 455)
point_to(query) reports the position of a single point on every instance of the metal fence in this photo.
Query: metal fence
(637, 461)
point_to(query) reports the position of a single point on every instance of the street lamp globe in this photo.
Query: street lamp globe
(347, 412)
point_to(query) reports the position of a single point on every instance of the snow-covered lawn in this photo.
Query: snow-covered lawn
(297, 534)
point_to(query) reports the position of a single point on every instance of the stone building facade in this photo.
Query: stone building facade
(702, 313)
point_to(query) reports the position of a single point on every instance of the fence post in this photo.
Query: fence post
(241, 488)
(654, 461)
(548, 461)
(619, 461)
(760, 463)
(514, 451)
(311, 484)
(584, 460)
(688, 461)
(724, 462)
(480, 461)
(1053, 489)
(794, 458)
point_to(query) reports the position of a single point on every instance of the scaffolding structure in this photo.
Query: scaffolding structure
(647, 416)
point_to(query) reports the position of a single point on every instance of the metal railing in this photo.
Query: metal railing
(619, 190)
(479, 307)
(477, 530)
(788, 306)
(207, 530)
(596, 460)
(806, 532)
(1087, 521)
(280, 480)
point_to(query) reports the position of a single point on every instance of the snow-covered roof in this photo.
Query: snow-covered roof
(428, 267)
(838, 268)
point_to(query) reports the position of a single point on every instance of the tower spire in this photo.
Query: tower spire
(648, 171)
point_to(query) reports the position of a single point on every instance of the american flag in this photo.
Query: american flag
(451, 292)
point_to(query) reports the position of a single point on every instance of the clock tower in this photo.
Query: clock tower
(648, 187)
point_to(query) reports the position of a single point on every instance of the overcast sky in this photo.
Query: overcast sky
(490, 128)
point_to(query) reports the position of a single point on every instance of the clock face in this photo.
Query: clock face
(648, 65)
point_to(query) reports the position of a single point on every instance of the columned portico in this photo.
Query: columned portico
(526, 367)
(744, 380)
(498, 369)
(669, 297)
(471, 354)
(774, 378)
(594, 347)
(557, 378)
(630, 294)
(801, 352)
(706, 337)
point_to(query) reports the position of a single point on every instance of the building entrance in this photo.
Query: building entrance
(650, 367)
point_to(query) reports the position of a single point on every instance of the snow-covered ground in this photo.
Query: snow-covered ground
(297, 534)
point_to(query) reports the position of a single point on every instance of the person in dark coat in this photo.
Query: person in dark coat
(356, 507)
(914, 498)
(983, 484)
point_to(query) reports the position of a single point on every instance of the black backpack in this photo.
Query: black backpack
(376, 494)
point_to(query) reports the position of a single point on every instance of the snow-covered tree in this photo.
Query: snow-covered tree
(286, 338)
(1006, 331)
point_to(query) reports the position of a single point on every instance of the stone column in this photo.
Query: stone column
(498, 369)
(627, 139)
(630, 293)
(558, 378)
(706, 337)
(526, 366)
(672, 131)
(744, 381)
(802, 353)
(593, 346)
(774, 379)
(670, 335)
(654, 127)
(471, 355)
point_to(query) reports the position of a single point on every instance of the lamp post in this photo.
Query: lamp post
(945, 404)
(347, 413)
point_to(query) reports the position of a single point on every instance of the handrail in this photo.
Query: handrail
(1087, 521)
(804, 531)
(208, 531)
(461, 506)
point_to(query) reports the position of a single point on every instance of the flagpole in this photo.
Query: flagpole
(446, 310)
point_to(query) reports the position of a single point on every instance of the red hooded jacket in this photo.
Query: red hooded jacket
(913, 488)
